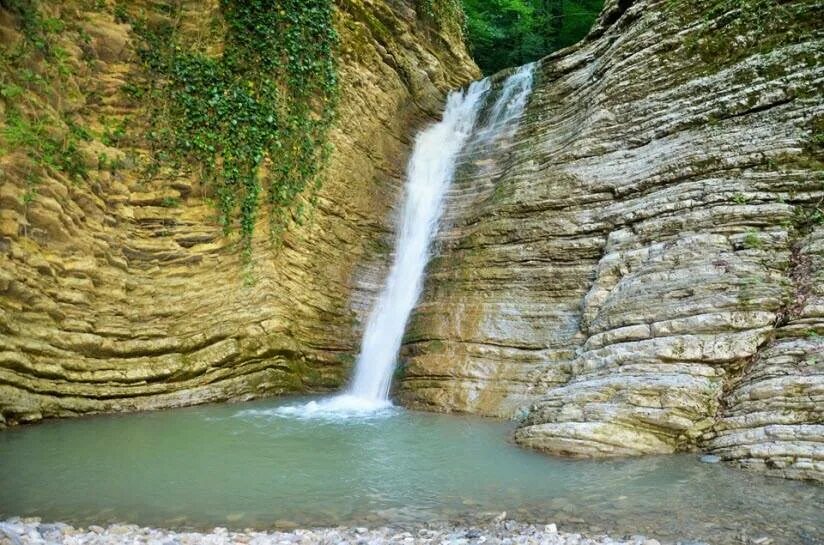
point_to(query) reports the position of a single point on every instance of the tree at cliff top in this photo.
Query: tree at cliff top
(504, 33)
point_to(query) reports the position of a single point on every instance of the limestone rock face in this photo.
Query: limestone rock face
(639, 269)
(119, 292)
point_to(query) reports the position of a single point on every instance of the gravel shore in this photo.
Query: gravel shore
(32, 531)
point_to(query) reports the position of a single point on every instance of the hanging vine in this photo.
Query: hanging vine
(256, 117)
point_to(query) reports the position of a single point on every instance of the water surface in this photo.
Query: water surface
(250, 465)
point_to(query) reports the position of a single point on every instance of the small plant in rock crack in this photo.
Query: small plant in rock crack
(740, 198)
(751, 240)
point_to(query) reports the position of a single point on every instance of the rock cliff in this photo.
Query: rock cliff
(640, 269)
(119, 291)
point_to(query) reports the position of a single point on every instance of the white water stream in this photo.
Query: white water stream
(429, 175)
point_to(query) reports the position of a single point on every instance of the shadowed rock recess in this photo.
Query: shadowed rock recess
(640, 269)
(119, 292)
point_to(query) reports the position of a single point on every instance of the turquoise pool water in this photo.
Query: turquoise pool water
(255, 465)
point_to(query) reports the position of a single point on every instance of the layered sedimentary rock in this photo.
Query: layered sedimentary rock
(120, 292)
(639, 269)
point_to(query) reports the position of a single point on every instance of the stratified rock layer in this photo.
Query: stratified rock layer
(120, 292)
(639, 270)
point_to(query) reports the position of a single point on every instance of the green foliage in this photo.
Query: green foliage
(120, 14)
(805, 218)
(30, 66)
(113, 134)
(257, 117)
(11, 90)
(740, 198)
(752, 240)
(170, 202)
(58, 153)
(31, 22)
(504, 33)
(78, 132)
(112, 165)
(30, 193)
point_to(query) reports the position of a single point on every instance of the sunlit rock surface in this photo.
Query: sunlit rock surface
(118, 293)
(639, 269)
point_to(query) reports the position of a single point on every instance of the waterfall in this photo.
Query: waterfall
(510, 104)
(428, 177)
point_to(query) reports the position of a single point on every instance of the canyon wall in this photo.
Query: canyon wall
(119, 291)
(637, 270)
(640, 269)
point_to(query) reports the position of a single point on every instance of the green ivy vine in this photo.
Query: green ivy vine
(256, 117)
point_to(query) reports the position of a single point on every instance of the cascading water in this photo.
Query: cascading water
(429, 174)
(510, 104)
